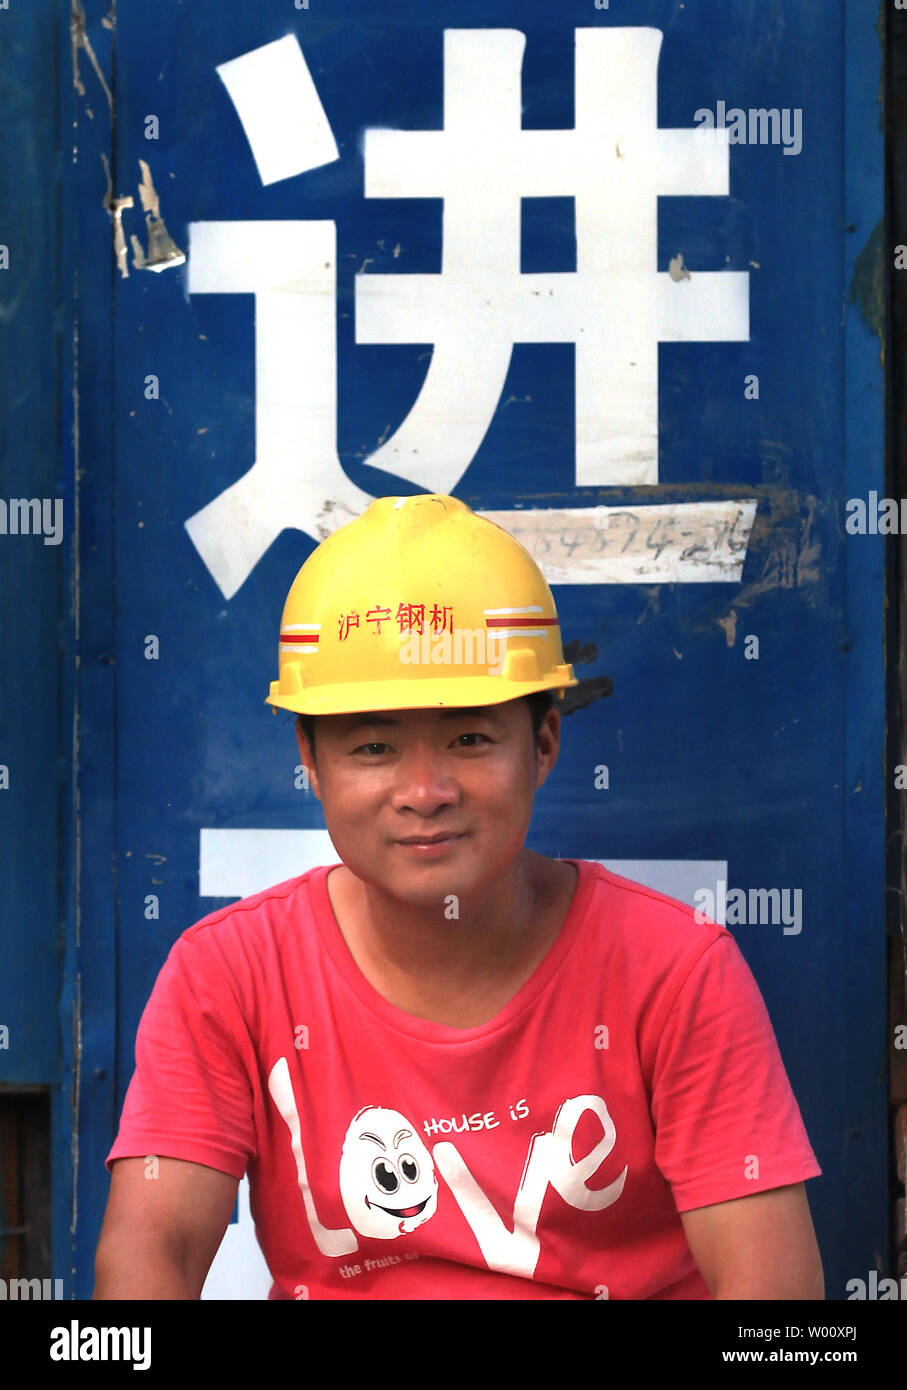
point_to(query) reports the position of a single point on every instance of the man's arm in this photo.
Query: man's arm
(160, 1234)
(757, 1247)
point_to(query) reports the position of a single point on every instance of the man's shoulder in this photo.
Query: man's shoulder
(634, 894)
(652, 945)
(269, 908)
(648, 921)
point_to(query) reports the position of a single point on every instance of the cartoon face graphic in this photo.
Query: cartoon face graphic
(387, 1176)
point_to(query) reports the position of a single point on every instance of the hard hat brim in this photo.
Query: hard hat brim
(424, 693)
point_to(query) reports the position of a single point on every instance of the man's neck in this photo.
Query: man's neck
(416, 952)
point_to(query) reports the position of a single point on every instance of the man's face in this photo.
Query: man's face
(400, 775)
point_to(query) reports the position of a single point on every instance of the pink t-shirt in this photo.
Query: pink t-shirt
(544, 1154)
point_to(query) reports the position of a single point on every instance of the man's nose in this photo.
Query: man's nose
(424, 781)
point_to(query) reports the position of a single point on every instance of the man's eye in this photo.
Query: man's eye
(484, 736)
(370, 745)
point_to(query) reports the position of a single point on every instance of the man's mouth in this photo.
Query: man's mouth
(430, 839)
(403, 1212)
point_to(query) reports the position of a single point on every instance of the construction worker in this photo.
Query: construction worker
(452, 1067)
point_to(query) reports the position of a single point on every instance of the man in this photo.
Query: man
(451, 1067)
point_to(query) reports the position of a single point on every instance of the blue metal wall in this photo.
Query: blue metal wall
(33, 598)
(772, 767)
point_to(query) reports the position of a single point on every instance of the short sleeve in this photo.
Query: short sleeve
(190, 1096)
(726, 1121)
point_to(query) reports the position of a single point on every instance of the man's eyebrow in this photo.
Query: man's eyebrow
(386, 721)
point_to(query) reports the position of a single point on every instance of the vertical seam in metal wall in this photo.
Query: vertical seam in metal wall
(63, 1117)
(91, 282)
(865, 1139)
(114, 165)
(896, 318)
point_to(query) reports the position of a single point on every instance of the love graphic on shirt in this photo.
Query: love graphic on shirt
(389, 1186)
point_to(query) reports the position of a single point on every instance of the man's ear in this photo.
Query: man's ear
(547, 744)
(307, 757)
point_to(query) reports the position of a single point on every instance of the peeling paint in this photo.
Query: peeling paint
(677, 270)
(115, 207)
(80, 39)
(163, 253)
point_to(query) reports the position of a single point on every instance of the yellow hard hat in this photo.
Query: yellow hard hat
(418, 603)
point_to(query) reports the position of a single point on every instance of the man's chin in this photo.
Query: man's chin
(419, 884)
(423, 887)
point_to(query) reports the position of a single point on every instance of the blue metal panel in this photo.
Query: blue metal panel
(864, 1112)
(773, 765)
(88, 1007)
(31, 565)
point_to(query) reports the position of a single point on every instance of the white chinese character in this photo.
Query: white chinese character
(615, 307)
